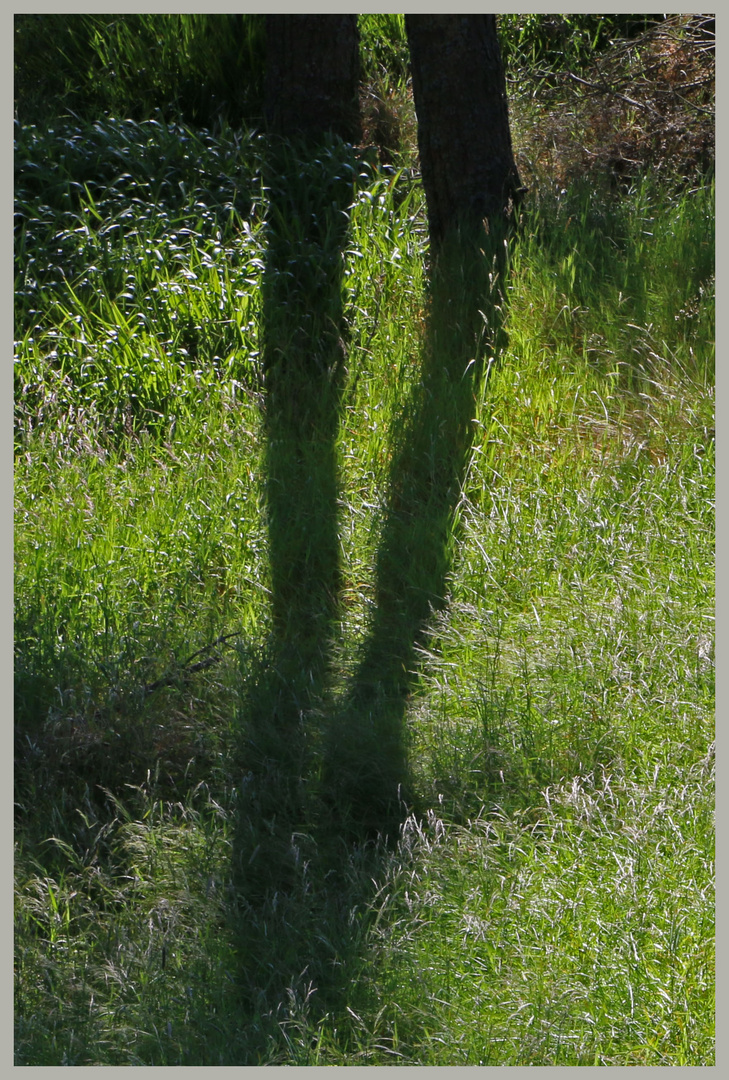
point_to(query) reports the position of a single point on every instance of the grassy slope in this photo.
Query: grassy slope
(552, 901)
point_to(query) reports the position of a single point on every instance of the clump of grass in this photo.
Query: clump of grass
(556, 42)
(138, 287)
(618, 296)
(578, 934)
(134, 927)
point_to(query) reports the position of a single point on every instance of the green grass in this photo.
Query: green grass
(205, 68)
(563, 41)
(196, 881)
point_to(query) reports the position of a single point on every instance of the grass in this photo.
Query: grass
(206, 69)
(498, 641)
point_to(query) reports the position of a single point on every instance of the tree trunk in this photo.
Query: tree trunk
(312, 75)
(466, 157)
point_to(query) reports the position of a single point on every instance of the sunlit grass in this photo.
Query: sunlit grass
(576, 933)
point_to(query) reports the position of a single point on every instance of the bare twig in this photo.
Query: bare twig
(206, 648)
(187, 668)
(602, 88)
(698, 108)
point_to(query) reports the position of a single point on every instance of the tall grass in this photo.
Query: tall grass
(185, 896)
(198, 68)
(563, 41)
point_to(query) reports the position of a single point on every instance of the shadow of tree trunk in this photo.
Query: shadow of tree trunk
(303, 357)
(365, 780)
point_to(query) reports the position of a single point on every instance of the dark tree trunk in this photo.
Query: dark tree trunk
(312, 75)
(466, 157)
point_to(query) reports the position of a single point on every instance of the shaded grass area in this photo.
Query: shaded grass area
(199, 68)
(524, 594)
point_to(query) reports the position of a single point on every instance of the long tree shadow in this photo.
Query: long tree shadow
(324, 782)
(310, 190)
(365, 775)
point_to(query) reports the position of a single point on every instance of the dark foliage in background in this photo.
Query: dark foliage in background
(197, 68)
(203, 68)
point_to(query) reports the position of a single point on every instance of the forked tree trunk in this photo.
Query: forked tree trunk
(466, 156)
(312, 75)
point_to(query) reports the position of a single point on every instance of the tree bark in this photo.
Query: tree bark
(312, 75)
(466, 156)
